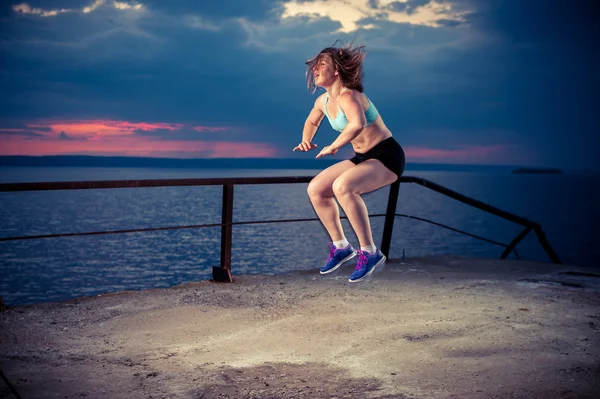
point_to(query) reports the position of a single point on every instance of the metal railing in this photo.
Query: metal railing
(223, 271)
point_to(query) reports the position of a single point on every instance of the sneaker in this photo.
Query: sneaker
(337, 257)
(366, 265)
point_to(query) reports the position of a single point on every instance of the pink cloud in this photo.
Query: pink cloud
(99, 127)
(136, 146)
(44, 132)
(145, 126)
(497, 153)
(95, 128)
(116, 137)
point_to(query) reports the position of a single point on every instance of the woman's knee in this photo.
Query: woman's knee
(342, 187)
(317, 189)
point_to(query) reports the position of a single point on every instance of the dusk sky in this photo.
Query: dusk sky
(511, 82)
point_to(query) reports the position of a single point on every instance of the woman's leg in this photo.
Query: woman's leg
(321, 196)
(363, 178)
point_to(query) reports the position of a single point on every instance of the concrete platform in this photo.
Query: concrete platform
(435, 327)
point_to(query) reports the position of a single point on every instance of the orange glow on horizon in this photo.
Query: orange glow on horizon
(115, 137)
(137, 146)
(99, 127)
(178, 140)
(463, 153)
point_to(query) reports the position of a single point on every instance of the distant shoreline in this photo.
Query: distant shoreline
(211, 163)
(553, 171)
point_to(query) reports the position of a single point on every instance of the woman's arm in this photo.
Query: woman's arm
(311, 125)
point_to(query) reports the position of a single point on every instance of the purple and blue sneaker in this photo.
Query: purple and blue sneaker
(337, 257)
(366, 265)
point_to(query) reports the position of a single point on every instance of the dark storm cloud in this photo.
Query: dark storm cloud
(516, 72)
(408, 6)
(529, 79)
(548, 21)
(54, 4)
(179, 73)
(550, 61)
(449, 22)
(217, 10)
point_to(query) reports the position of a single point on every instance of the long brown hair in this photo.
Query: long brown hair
(347, 60)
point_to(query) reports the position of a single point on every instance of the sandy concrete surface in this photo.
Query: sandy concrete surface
(435, 327)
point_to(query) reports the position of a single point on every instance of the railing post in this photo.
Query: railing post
(546, 245)
(9, 385)
(390, 214)
(514, 242)
(222, 273)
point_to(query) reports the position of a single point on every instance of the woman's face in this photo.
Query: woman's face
(324, 71)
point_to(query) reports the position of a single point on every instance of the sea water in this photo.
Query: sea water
(52, 269)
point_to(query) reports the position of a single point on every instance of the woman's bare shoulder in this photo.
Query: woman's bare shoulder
(320, 101)
(350, 95)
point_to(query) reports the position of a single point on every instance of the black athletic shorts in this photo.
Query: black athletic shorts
(389, 152)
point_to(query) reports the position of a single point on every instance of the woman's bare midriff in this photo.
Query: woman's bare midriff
(372, 135)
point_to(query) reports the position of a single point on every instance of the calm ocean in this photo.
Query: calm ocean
(42, 270)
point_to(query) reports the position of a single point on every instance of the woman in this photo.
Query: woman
(378, 161)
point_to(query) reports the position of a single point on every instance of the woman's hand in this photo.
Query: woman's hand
(328, 150)
(305, 146)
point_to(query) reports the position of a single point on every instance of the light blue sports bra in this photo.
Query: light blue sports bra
(340, 121)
